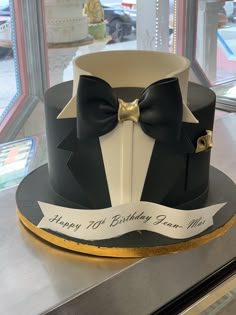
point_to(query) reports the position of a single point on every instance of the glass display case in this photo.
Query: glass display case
(41, 279)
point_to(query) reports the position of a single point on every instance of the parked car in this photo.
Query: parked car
(131, 4)
(132, 13)
(119, 23)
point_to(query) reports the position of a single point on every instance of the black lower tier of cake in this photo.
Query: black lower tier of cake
(174, 178)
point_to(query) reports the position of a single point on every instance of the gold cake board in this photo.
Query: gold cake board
(36, 187)
(124, 252)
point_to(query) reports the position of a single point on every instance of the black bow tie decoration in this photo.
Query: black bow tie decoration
(158, 110)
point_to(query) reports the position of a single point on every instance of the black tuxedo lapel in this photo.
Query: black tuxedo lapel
(86, 165)
(167, 173)
(165, 168)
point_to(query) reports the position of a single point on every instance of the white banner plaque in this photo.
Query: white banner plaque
(112, 222)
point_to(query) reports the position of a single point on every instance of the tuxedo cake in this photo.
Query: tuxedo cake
(128, 173)
(134, 130)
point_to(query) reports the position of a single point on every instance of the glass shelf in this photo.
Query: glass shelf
(219, 301)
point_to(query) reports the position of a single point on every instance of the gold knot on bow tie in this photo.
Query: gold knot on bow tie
(204, 142)
(128, 111)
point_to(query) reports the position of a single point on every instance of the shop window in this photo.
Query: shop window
(9, 71)
(211, 46)
(22, 65)
(75, 27)
(47, 34)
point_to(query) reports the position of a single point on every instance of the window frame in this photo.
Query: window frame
(30, 53)
(191, 20)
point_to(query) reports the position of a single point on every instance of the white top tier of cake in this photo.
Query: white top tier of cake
(65, 21)
(126, 149)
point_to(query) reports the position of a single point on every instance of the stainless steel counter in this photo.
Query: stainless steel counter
(37, 278)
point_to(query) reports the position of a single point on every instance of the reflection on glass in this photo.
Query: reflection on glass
(9, 82)
(14, 161)
(216, 44)
(76, 27)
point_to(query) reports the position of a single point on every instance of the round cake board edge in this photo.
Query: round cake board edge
(226, 218)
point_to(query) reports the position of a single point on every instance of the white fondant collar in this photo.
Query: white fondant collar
(131, 68)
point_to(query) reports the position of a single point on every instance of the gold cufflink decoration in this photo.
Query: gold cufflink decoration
(204, 143)
(128, 111)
